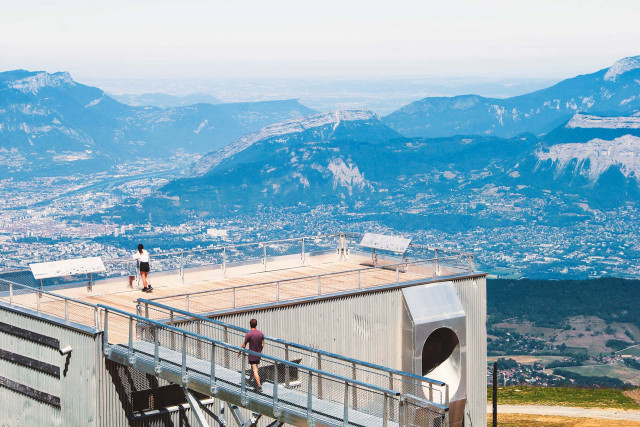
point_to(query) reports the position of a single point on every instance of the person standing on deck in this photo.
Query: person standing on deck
(143, 259)
(255, 339)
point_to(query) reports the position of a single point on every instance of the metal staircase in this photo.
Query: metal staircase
(292, 392)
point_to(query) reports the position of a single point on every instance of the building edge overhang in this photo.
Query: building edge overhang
(350, 293)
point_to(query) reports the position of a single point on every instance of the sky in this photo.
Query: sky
(311, 39)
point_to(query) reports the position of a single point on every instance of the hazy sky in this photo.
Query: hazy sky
(322, 38)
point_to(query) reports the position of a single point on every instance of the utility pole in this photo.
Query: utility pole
(495, 394)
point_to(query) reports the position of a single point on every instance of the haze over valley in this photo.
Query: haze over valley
(543, 184)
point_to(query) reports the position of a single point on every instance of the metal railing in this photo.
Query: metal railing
(287, 290)
(433, 391)
(48, 303)
(260, 254)
(223, 257)
(291, 391)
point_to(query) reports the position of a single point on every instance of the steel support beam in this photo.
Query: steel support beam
(195, 407)
(237, 416)
(218, 419)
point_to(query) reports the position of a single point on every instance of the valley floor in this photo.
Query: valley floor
(528, 420)
(571, 412)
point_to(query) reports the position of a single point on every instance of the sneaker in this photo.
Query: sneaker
(145, 289)
(149, 288)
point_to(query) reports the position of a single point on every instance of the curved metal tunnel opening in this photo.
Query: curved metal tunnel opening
(441, 358)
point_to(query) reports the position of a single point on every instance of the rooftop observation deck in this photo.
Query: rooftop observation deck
(189, 286)
(239, 277)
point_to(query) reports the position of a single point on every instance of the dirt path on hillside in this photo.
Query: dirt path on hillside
(634, 394)
(564, 411)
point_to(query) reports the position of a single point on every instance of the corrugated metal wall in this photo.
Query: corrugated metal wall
(93, 391)
(75, 388)
(365, 326)
(473, 295)
(370, 327)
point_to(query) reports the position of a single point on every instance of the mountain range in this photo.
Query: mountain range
(610, 91)
(49, 123)
(578, 139)
(164, 100)
(351, 158)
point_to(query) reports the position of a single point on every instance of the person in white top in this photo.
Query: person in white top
(143, 260)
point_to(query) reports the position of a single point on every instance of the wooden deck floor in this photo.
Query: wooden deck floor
(239, 287)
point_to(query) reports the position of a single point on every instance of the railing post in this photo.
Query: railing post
(234, 297)
(156, 352)
(310, 396)
(11, 294)
(430, 392)
(38, 296)
(359, 279)
(385, 411)
(182, 266)
(173, 335)
(212, 384)
(391, 388)
(278, 292)
(264, 256)
(355, 390)
(435, 264)
(226, 353)
(319, 376)
(302, 256)
(446, 394)
(402, 411)
(345, 415)
(224, 261)
(470, 263)
(397, 274)
(105, 334)
(184, 359)
(275, 387)
(319, 285)
(130, 337)
(287, 380)
(243, 378)
(66, 309)
(188, 303)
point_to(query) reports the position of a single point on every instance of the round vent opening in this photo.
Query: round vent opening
(439, 347)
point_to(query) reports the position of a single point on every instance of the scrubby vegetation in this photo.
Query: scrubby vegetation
(549, 303)
(564, 396)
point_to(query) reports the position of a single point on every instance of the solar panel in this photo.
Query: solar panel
(67, 267)
(386, 243)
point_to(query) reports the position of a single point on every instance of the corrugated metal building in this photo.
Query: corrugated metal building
(40, 385)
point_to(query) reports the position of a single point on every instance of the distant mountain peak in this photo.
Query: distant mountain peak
(34, 81)
(287, 127)
(622, 66)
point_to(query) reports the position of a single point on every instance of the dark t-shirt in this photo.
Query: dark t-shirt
(254, 338)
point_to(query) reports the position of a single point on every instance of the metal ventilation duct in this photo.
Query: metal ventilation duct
(437, 323)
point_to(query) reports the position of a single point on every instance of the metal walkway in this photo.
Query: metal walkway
(291, 392)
